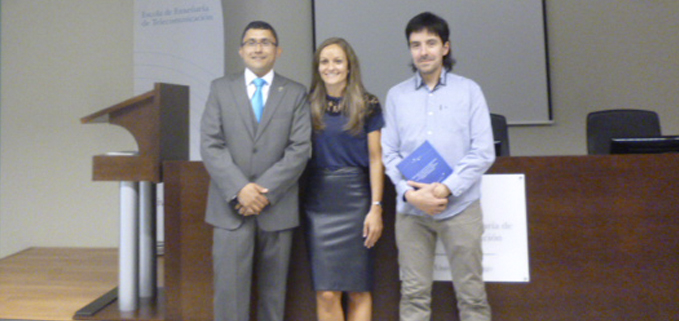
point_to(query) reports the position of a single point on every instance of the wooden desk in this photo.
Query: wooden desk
(603, 244)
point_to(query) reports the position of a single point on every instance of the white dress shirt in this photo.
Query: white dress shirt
(250, 77)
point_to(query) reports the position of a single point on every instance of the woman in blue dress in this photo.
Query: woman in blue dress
(343, 202)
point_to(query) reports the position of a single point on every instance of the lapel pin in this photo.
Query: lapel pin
(280, 89)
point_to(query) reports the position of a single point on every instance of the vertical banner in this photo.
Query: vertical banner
(179, 42)
(505, 239)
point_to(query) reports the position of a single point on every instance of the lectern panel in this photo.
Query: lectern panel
(125, 168)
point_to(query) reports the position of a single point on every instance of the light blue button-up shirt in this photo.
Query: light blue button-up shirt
(455, 119)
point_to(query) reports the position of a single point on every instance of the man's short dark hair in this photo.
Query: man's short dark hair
(259, 25)
(436, 25)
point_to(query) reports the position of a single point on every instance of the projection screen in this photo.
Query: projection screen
(500, 44)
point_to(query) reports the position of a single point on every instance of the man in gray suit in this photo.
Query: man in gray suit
(254, 159)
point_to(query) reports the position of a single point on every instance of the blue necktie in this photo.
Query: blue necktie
(257, 99)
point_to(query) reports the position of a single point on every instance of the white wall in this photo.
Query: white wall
(62, 60)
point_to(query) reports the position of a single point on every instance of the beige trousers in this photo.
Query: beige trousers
(461, 236)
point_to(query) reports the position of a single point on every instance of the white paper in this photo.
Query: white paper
(505, 240)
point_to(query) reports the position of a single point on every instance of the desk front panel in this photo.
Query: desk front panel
(603, 244)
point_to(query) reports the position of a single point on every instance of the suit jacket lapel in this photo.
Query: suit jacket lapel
(243, 105)
(276, 93)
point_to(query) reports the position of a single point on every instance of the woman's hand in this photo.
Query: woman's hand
(372, 226)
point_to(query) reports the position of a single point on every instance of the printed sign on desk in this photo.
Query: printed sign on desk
(505, 239)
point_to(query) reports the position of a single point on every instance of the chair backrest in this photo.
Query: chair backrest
(618, 123)
(500, 132)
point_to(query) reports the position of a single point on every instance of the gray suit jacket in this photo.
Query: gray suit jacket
(237, 150)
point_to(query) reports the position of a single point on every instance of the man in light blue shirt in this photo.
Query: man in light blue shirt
(450, 112)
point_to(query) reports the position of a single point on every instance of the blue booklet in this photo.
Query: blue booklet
(425, 165)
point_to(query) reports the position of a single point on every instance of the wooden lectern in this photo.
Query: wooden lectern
(159, 122)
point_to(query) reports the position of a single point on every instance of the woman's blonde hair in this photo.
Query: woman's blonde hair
(353, 102)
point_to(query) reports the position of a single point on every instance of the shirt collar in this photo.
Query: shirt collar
(250, 76)
(419, 82)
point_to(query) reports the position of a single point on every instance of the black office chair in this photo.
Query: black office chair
(500, 133)
(618, 123)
